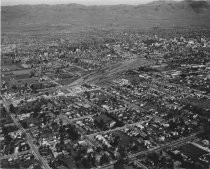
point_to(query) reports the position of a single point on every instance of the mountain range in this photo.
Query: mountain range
(77, 17)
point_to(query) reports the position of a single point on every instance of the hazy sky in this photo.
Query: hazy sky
(85, 2)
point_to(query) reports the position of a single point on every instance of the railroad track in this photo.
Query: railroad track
(167, 145)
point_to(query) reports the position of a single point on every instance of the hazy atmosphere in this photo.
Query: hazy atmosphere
(85, 2)
(105, 84)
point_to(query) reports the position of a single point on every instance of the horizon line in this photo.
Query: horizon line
(82, 4)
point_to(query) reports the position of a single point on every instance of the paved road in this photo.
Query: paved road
(118, 128)
(64, 117)
(167, 145)
(90, 136)
(91, 141)
(131, 105)
(51, 80)
(29, 139)
(139, 164)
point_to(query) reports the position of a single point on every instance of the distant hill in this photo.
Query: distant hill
(74, 16)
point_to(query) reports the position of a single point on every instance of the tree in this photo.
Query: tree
(104, 159)
(4, 130)
(119, 164)
(122, 152)
(72, 132)
(206, 128)
(87, 94)
(24, 124)
(12, 108)
(57, 70)
(31, 73)
(154, 157)
(76, 60)
(14, 87)
(116, 141)
(3, 110)
(8, 139)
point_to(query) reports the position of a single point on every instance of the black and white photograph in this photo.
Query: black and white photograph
(105, 84)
